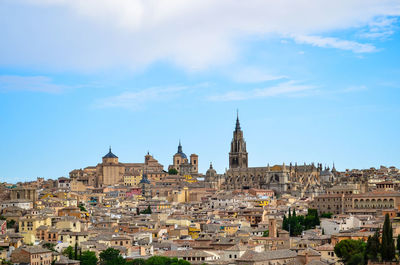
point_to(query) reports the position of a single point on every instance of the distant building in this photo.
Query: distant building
(240, 176)
(183, 165)
(112, 172)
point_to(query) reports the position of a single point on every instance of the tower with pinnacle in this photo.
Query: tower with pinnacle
(238, 157)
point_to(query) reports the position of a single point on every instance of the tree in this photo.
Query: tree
(347, 249)
(136, 262)
(76, 251)
(326, 215)
(69, 252)
(173, 171)
(158, 260)
(266, 233)
(111, 256)
(82, 208)
(387, 247)
(49, 246)
(147, 210)
(398, 243)
(285, 223)
(88, 258)
(10, 224)
(373, 247)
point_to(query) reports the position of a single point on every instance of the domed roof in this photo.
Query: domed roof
(211, 171)
(180, 152)
(110, 154)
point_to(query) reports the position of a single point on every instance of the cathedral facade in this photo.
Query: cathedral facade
(279, 178)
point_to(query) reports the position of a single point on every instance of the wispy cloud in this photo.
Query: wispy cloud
(137, 33)
(329, 42)
(138, 99)
(29, 83)
(255, 75)
(380, 28)
(289, 88)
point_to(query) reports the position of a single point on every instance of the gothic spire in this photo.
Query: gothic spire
(237, 121)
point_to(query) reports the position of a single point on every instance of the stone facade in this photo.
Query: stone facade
(113, 172)
(183, 165)
(240, 176)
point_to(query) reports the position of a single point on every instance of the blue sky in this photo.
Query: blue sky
(314, 81)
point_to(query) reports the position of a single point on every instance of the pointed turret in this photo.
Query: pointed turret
(237, 128)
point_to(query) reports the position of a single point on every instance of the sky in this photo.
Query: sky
(313, 80)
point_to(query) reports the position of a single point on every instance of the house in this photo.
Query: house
(33, 255)
(274, 257)
(194, 256)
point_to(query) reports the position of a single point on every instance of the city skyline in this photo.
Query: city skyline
(76, 78)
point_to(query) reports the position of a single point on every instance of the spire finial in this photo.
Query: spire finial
(110, 149)
(180, 147)
(237, 120)
(211, 165)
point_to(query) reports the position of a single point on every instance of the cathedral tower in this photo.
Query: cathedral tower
(238, 153)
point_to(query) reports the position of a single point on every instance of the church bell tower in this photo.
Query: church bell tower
(238, 154)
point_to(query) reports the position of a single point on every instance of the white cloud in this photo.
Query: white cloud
(138, 100)
(255, 75)
(289, 88)
(92, 34)
(381, 28)
(29, 83)
(325, 42)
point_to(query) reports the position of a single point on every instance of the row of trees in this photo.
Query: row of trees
(295, 225)
(113, 256)
(377, 248)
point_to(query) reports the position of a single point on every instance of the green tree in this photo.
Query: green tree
(136, 262)
(49, 246)
(285, 223)
(82, 208)
(326, 215)
(173, 171)
(398, 243)
(10, 224)
(266, 233)
(69, 252)
(111, 256)
(88, 258)
(76, 251)
(387, 247)
(347, 249)
(158, 260)
(373, 247)
(147, 210)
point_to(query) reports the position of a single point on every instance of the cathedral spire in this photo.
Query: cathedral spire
(237, 121)
(180, 147)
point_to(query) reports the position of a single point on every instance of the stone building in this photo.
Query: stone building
(112, 172)
(240, 176)
(212, 179)
(24, 193)
(374, 202)
(183, 165)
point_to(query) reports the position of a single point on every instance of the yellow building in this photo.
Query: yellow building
(133, 179)
(230, 229)
(194, 232)
(28, 226)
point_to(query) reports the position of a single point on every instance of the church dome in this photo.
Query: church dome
(110, 154)
(180, 152)
(211, 171)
